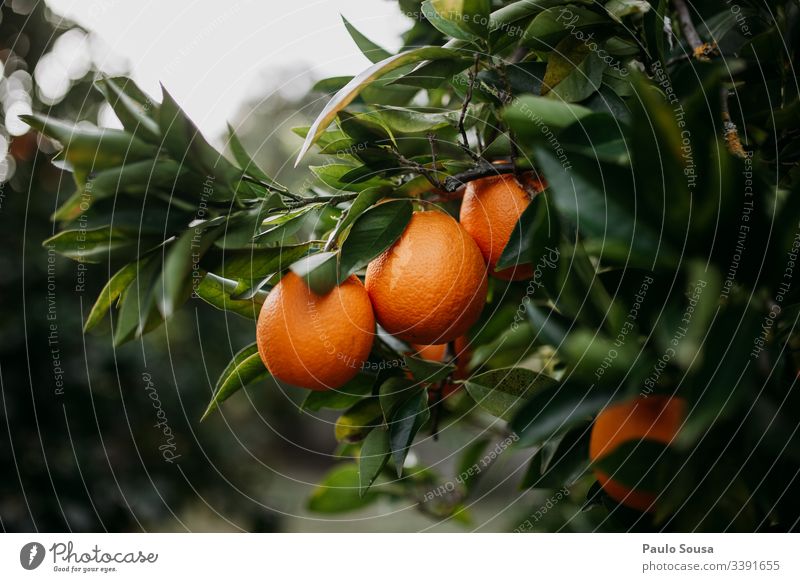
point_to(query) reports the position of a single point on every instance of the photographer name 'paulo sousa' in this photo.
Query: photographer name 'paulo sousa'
(680, 549)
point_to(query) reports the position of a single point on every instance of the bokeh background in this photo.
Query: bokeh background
(79, 441)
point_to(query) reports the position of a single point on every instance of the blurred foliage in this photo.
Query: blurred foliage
(667, 264)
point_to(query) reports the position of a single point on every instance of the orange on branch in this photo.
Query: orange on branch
(430, 286)
(655, 418)
(490, 211)
(312, 341)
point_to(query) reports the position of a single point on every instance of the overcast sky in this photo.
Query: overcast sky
(212, 55)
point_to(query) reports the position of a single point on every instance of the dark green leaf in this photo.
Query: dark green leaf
(245, 368)
(111, 292)
(372, 233)
(372, 51)
(427, 371)
(372, 458)
(339, 491)
(408, 417)
(340, 398)
(354, 424)
(556, 409)
(218, 292)
(350, 91)
(318, 271)
(502, 392)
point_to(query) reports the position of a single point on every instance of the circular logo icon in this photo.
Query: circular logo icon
(31, 555)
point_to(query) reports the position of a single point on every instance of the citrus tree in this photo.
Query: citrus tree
(571, 226)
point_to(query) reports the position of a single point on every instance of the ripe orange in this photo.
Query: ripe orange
(489, 213)
(429, 287)
(437, 352)
(656, 418)
(312, 341)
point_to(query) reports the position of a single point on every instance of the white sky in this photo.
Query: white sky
(212, 55)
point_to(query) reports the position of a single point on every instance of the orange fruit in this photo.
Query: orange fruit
(312, 341)
(429, 287)
(489, 212)
(437, 352)
(656, 418)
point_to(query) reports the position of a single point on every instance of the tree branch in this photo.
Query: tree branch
(687, 26)
(482, 170)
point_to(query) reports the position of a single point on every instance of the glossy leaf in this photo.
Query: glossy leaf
(372, 233)
(408, 417)
(350, 91)
(245, 368)
(502, 392)
(372, 458)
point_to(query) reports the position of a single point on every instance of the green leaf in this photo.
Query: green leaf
(88, 147)
(404, 120)
(354, 424)
(502, 392)
(537, 230)
(219, 292)
(318, 271)
(255, 264)
(340, 398)
(427, 371)
(550, 25)
(97, 245)
(372, 458)
(187, 146)
(644, 464)
(365, 199)
(556, 409)
(393, 391)
(561, 462)
(111, 292)
(409, 416)
(461, 19)
(335, 176)
(135, 115)
(373, 232)
(182, 260)
(138, 313)
(339, 491)
(280, 226)
(577, 74)
(244, 160)
(531, 116)
(245, 368)
(350, 91)
(372, 51)
(468, 462)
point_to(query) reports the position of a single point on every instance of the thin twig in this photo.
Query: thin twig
(337, 199)
(483, 169)
(472, 75)
(687, 26)
(431, 175)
